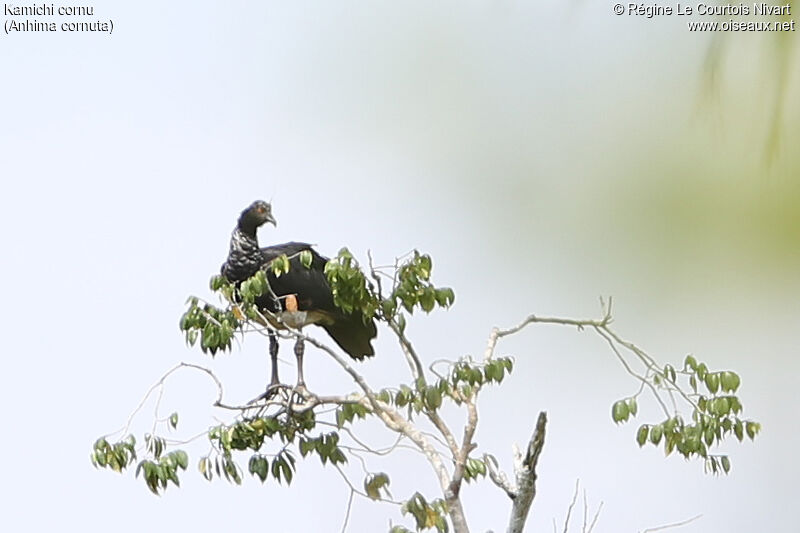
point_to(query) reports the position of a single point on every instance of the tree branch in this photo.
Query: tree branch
(670, 526)
(571, 506)
(498, 477)
(525, 471)
(396, 422)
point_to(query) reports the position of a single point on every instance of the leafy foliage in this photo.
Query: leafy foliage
(426, 515)
(117, 457)
(376, 485)
(715, 415)
(157, 474)
(349, 285)
(272, 440)
(216, 327)
(414, 289)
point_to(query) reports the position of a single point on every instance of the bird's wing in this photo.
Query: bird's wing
(289, 248)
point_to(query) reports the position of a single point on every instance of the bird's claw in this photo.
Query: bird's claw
(272, 390)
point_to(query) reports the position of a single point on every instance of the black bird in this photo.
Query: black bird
(303, 294)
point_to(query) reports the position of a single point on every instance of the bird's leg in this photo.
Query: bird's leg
(273, 355)
(299, 348)
(274, 384)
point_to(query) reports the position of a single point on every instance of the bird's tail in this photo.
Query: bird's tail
(353, 335)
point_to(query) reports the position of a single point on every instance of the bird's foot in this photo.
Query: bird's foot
(273, 389)
(300, 392)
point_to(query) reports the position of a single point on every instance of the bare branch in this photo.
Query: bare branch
(621, 348)
(585, 511)
(498, 477)
(571, 505)
(347, 513)
(525, 471)
(630, 371)
(596, 516)
(669, 526)
(410, 354)
(580, 324)
(159, 384)
(466, 444)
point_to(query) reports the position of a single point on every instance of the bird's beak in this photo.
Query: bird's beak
(272, 221)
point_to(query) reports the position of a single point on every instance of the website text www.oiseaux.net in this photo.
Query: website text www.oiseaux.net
(775, 17)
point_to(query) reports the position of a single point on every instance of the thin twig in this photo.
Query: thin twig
(596, 516)
(669, 526)
(571, 505)
(347, 513)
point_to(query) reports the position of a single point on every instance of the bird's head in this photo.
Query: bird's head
(256, 214)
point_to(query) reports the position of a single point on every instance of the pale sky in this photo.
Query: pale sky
(545, 154)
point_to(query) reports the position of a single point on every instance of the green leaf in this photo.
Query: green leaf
(280, 265)
(474, 468)
(259, 466)
(428, 299)
(475, 376)
(656, 432)
(181, 459)
(341, 417)
(306, 258)
(233, 471)
(374, 483)
(641, 435)
(276, 468)
(736, 405)
(158, 447)
(690, 362)
(418, 508)
(708, 435)
(307, 446)
(712, 382)
(702, 403)
(445, 297)
(738, 430)
(669, 443)
(726, 464)
(338, 456)
(425, 266)
(404, 396)
(433, 398)
(287, 472)
(669, 373)
(752, 429)
(173, 420)
(721, 406)
(620, 411)
(345, 255)
(172, 475)
(384, 396)
(632, 406)
(494, 371)
(205, 468)
(730, 381)
(388, 306)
